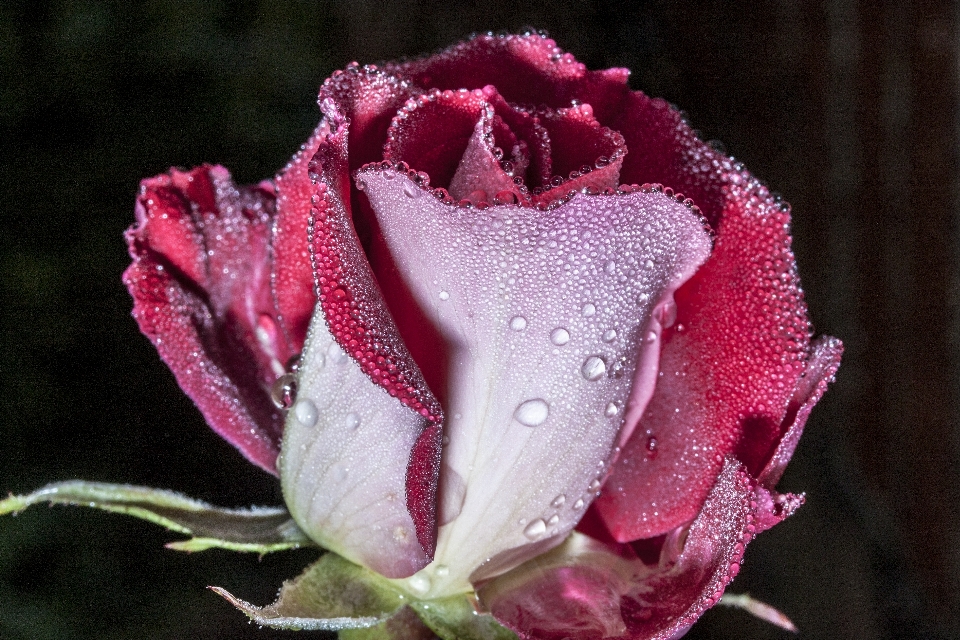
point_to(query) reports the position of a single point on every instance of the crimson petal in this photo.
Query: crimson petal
(588, 590)
(201, 288)
(741, 341)
(527, 69)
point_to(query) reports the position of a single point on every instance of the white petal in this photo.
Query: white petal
(528, 415)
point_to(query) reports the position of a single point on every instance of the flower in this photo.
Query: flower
(489, 347)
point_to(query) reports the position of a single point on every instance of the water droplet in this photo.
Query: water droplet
(419, 583)
(284, 391)
(293, 364)
(441, 570)
(650, 337)
(558, 501)
(336, 354)
(306, 413)
(648, 264)
(411, 190)
(532, 413)
(609, 335)
(554, 519)
(444, 295)
(560, 336)
(361, 184)
(588, 310)
(611, 410)
(594, 485)
(535, 529)
(518, 323)
(652, 447)
(578, 505)
(593, 368)
(351, 421)
(610, 267)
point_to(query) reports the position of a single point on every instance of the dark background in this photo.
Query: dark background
(847, 108)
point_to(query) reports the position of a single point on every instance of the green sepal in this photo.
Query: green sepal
(455, 618)
(402, 625)
(331, 595)
(258, 529)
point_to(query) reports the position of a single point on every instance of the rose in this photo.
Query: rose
(494, 333)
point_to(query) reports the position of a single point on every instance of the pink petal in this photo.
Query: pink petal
(292, 279)
(822, 366)
(200, 284)
(527, 69)
(545, 318)
(588, 590)
(733, 359)
(361, 449)
(584, 155)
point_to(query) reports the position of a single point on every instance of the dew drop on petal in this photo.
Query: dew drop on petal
(610, 267)
(578, 505)
(532, 413)
(588, 310)
(441, 570)
(558, 501)
(611, 410)
(306, 413)
(535, 529)
(593, 368)
(609, 335)
(336, 354)
(419, 583)
(444, 295)
(351, 421)
(518, 323)
(560, 336)
(594, 485)
(554, 519)
(283, 393)
(411, 190)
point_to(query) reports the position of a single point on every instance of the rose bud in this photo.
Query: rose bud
(526, 355)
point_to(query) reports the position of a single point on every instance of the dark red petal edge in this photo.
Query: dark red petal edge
(200, 286)
(820, 372)
(527, 68)
(359, 320)
(609, 592)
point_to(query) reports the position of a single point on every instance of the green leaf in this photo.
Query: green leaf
(331, 595)
(258, 529)
(455, 618)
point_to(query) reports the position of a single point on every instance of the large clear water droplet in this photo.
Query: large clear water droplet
(351, 421)
(283, 393)
(560, 336)
(532, 413)
(444, 295)
(588, 310)
(609, 335)
(518, 323)
(535, 529)
(419, 583)
(558, 501)
(306, 413)
(593, 368)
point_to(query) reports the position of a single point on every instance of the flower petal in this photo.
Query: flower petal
(528, 69)
(201, 289)
(292, 277)
(821, 368)
(740, 344)
(589, 590)
(361, 445)
(545, 317)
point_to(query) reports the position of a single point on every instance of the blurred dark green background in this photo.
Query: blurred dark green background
(847, 108)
